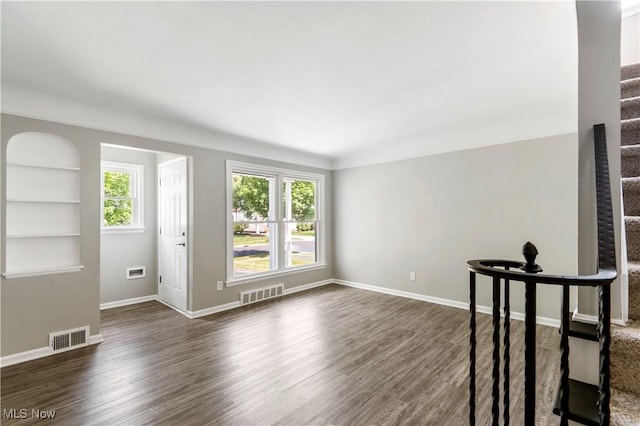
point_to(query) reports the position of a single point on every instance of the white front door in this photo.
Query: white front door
(172, 247)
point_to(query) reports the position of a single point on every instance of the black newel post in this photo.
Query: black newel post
(530, 252)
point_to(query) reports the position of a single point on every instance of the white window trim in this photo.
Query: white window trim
(137, 171)
(280, 174)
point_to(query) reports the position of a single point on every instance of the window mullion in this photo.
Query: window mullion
(273, 217)
(279, 235)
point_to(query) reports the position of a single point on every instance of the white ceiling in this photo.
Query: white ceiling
(330, 84)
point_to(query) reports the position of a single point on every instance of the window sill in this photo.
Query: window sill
(133, 230)
(254, 278)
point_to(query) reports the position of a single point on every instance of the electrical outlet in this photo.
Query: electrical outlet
(412, 276)
(220, 285)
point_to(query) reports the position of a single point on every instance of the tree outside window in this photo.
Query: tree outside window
(121, 200)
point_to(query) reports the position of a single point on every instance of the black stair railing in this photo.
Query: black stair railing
(506, 271)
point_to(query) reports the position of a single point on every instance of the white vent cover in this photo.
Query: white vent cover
(65, 340)
(136, 272)
(253, 296)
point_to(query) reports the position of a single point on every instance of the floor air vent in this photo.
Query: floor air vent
(69, 339)
(253, 296)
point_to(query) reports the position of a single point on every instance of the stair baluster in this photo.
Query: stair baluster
(507, 349)
(472, 350)
(495, 408)
(604, 338)
(564, 359)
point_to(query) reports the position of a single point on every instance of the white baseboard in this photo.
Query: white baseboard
(212, 310)
(95, 339)
(407, 294)
(589, 319)
(304, 287)
(5, 361)
(126, 302)
(551, 322)
(592, 319)
(221, 308)
(20, 357)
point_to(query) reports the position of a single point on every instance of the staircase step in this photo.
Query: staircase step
(630, 165)
(625, 357)
(626, 339)
(631, 195)
(630, 71)
(630, 132)
(630, 108)
(632, 223)
(632, 234)
(583, 403)
(583, 330)
(630, 88)
(625, 408)
(634, 290)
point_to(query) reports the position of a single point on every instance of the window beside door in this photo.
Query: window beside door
(275, 222)
(122, 198)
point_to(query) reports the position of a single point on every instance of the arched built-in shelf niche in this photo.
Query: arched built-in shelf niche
(43, 205)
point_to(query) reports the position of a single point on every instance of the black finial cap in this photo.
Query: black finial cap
(530, 252)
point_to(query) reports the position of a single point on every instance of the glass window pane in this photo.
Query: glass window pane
(299, 200)
(250, 197)
(118, 213)
(117, 184)
(300, 244)
(251, 253)
(303, 196)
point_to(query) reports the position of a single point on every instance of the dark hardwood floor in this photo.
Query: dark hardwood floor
(332, 355)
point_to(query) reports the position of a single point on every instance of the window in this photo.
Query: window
(275, 222)
(122, 205)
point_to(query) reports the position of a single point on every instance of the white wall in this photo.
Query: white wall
(119, 251)
(430, 215)
(630, 40)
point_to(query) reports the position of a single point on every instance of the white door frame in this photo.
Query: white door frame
(189, 246)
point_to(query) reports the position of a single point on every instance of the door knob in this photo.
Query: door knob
(181, 244)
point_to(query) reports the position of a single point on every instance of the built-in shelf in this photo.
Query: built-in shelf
(43, 206)
(24, 200)
(19, 236)
(42, 166)
(38, 272)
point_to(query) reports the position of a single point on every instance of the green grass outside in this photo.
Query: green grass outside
(249, 239)
(260, 262)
